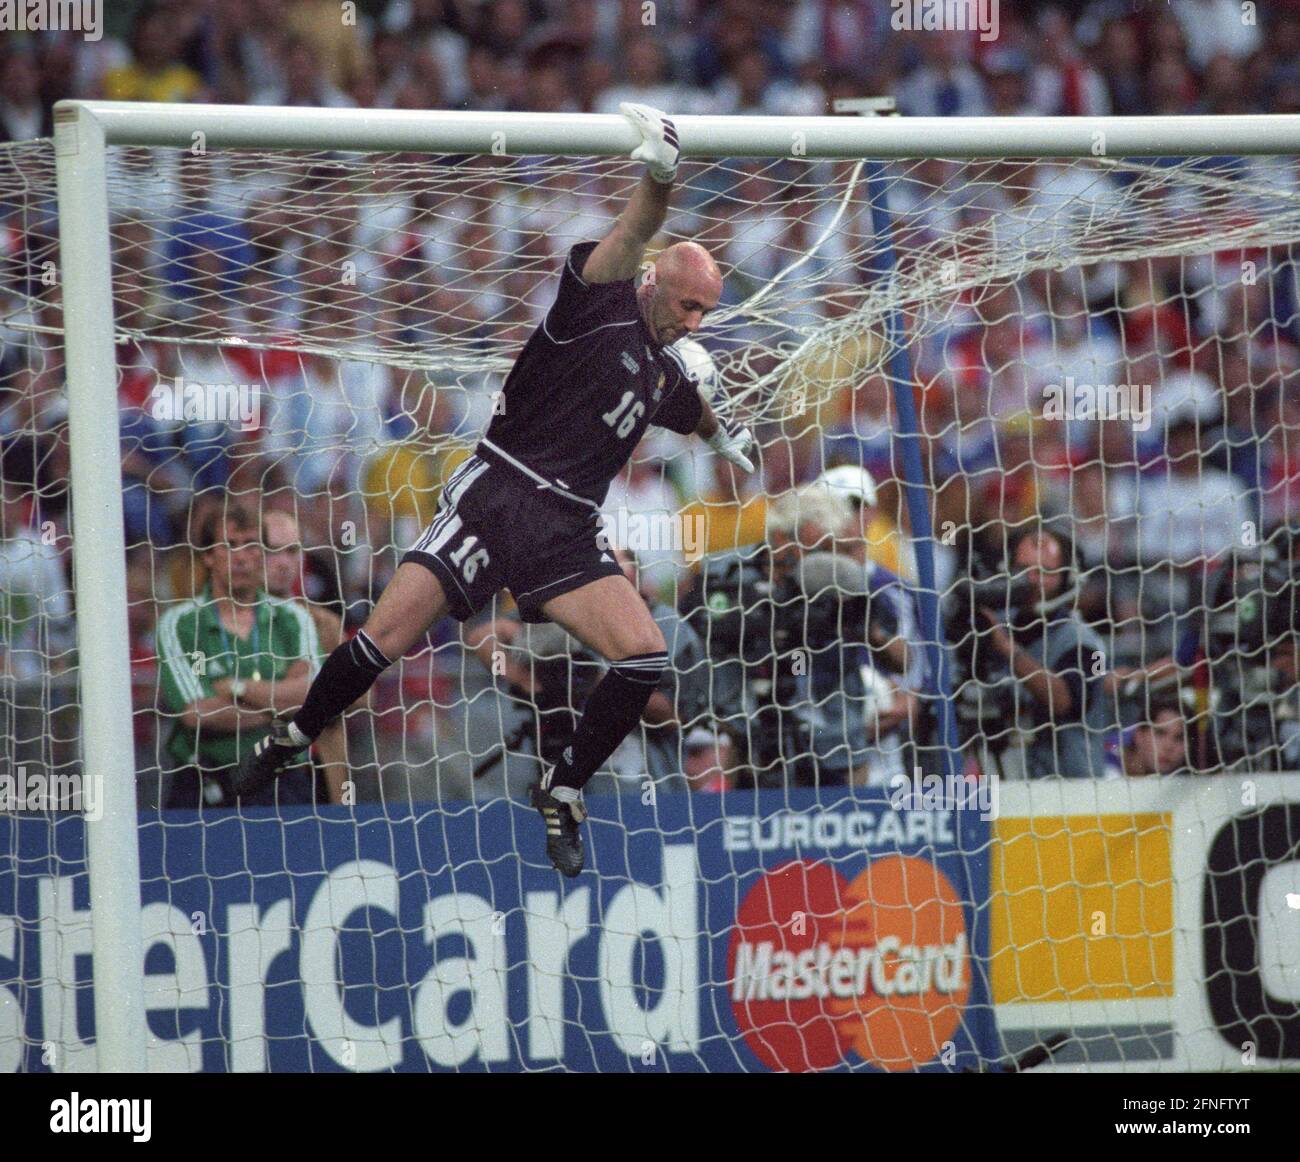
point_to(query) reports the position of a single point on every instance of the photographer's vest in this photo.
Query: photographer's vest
(1073, 746)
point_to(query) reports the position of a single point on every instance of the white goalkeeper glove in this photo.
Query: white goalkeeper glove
(658, 148)
(733, 446)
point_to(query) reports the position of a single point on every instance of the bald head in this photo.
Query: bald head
(687, 284)
(688, 264)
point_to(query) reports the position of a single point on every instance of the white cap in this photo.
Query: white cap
(852, 481)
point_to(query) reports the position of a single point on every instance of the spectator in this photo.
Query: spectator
(327, 421)
(155, 487)
(230, 660)
(645, 80)
(945, 85)
(35, 608)
(546, 90)
(247, 39)
(502, 29)
(1188, 512)
(1007, 70)
(435, 28)
(484, 90)
(207, 246)
(338, 46)
(840, 36)
(404, 479)
(1224, 91)
(301, 80)
(142, 591)
(863, 433)
(727, 31)
(744, 90)
(1246, 623)
(710, 761)
(1280, 421)
(1063, 84)
(1082, 351)
(23, 115)
(1215, 26)
(1157, 746)
(1171, 87)
(1119, 58)
(153, 74)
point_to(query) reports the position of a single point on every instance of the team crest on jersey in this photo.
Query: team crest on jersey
(659, 387)
(631, 364)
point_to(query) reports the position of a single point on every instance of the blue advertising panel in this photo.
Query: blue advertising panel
(746, 931)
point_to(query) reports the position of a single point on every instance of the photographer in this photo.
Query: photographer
(892, 703)
(728, 607)
(1032, 674)
(1252, 627)
(785, 627)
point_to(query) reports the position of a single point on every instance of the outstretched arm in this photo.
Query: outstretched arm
(618, 255)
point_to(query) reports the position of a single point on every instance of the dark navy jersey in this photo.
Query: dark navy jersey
(587, 384)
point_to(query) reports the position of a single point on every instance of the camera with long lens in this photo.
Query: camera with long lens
(1253, 622)
(753, 620)
(729, 606)
(984, 692)
(984, 697)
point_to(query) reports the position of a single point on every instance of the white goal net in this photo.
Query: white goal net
(1099, 357)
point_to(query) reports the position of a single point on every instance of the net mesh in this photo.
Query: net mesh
(1107, 345)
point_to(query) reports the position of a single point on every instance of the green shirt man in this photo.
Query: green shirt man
(197, 652)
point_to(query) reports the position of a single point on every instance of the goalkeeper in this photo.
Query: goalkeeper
(523, 511)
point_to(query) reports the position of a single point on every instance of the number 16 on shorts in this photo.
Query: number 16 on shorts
(467, 558)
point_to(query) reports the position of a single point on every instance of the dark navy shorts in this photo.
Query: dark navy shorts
(495, 528)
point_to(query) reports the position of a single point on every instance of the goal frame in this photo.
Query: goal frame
(83, 131)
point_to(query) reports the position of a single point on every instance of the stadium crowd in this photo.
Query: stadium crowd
(1122, 538)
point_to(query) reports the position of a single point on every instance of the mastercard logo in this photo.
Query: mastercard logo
(823, 970)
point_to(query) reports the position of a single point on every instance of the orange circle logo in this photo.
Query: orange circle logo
(820, 967)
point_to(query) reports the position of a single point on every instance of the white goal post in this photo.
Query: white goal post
(84, 131)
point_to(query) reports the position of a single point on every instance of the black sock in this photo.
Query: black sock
(346, 675)
(613, 708)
